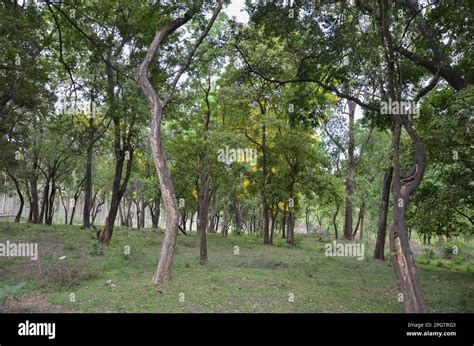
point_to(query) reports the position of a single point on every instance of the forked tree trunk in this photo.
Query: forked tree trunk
(402, 257)
(402, 187)
(156, 105)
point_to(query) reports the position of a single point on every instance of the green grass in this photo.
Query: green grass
(260, 279)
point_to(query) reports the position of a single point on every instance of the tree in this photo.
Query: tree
(157, 105)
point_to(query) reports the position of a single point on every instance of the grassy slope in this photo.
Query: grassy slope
(260, 279)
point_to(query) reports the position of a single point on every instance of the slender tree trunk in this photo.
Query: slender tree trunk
(360, 219)
(155, 212)
(238, 216)
(44, 199)
(307, 219)
(225, 222)
(20, 195)
(203, 208)
(290, 238)
(34, 208)
(334, 220)
(50, 201)
(383, 213)
(118, 187)
(284, 221)
(142, 214)
(86, 212)
(156, 105)
(350, 175)
(274, 216)
(265, 209)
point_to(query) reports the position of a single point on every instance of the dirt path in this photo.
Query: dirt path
(33, 303)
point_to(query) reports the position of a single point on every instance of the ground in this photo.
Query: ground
(260, 278)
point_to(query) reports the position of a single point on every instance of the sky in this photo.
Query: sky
(236, 9)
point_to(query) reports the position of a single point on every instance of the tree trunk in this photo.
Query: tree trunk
(307, 218)
(86, 212)
(155, 212)
(238, 216)
(142, 214)
(350, 175)
(284, 221)
(34, 209)
(50, 201)
(118, 187)
(20, 195)
(265, 210)
(203, 205)
(163, 271)
(360, 219)
(156, 105)
(334, 220)
(44, 199)
(225, 222)
(402, 258)
(290, 238)
(274, 216)
(402, 187)
(383, 213)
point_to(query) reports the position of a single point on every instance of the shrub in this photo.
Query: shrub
(10, 291)
(97, 249)
(429, 253)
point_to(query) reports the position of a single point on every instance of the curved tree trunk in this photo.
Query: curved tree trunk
(402, 187)
(156, 105)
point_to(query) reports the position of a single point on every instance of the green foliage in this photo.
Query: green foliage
(10, 291)
(97, 249)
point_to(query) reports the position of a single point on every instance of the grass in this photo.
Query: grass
(259, 279)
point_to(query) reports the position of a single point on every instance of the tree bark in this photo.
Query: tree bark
(350, 175)
(284, 221)
(334, 221)
(383, 214)
(156, 105)
(203, 208)
(86, 212)
(20, 195)
(402, 187)
(155, 211)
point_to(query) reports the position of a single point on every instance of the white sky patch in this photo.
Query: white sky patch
(236, 9)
